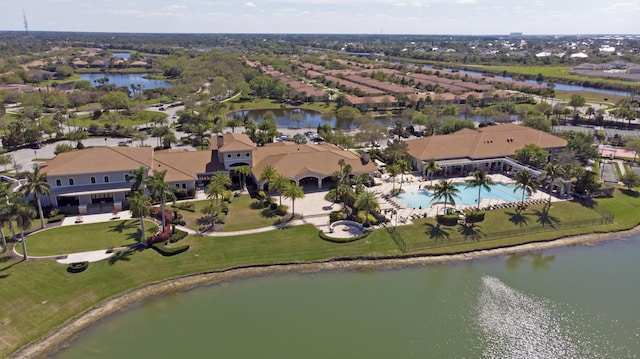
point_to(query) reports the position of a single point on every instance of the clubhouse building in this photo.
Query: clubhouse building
(97, 179)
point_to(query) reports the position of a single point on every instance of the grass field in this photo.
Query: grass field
(561, 72)
(40, 296)
(271, 104)
(243, 214)
(86, 237)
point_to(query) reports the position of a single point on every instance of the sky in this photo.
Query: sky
(472, 17)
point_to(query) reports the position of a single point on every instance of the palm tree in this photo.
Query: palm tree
(38, 186)
(367, 201)
(160, 190)
(393, 171)
(243, 171)
(552, 172)
(404, 166)
(219, 183)
(431, 168)
(526, 182)
(5, 191)
(139, 205)
(268, 173)
(278, 184)
(445, 190)
(480, 180)
(23, 214)
(137, 178)
(293, 192)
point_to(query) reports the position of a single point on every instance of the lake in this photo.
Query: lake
(574, 302)
(127, 80)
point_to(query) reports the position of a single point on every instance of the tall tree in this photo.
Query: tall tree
(526, 182)
(159, 190)
(552, 172)
(366, 201)
(447, 191)
(431, 168)
(38, 186)
(278, 184)
(138, 179)
(139, 205)
(268, 173)
(23, 214)
(633, 146)
(393, 171)
(293, 192)
(404, 166)
(243, 171)
(481, 180)
(5, 215)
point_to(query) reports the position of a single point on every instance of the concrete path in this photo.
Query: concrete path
(93, 256)
(296, 222)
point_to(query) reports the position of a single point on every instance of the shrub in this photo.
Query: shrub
(191, 192)
(474, 216)
(261, 195)
(362, 218)
(447, 219)
(281, 210)
(80, 146)
(160, 237)
(61, 148)
(156, 212)
(77, 267)
(177, 236)
(335, 216)
(169, 251)
(273, 206)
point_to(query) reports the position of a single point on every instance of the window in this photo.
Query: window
(127, 178)
(93, 180)
(58, 183)
(248, 154)
(238, 155)
(106, 179)
(229, 155)
(184, 185)
(71, 182)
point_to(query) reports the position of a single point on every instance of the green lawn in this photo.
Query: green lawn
(427, 234)
(272, 104)
(246, 213)
(86, 237)
(86, 121)
(243, 214)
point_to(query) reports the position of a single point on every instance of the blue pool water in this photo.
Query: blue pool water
(467, 195)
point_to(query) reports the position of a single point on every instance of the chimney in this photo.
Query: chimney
(220, 142)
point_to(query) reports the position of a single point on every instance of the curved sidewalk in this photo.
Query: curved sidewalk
(296, 222)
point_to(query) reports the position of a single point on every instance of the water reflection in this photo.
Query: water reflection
(537, 259)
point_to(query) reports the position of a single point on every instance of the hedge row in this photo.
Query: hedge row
(169, 251)
(177, 236)
(56, 218)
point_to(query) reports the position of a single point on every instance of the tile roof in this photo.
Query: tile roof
(293, 160)
(488, 142)
(186, 165)
(99, 160)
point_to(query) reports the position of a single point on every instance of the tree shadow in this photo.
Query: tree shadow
(539, 261)
(258, 205)
(436, 232)
(473, 231)
(518, 218)
(125, 255)
(630, 193)
(268, 213)
(514, 260)
(122, 226)
(545, 219)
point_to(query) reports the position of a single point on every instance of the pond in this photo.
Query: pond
(575, 302)
(122, 55)
(127, 80)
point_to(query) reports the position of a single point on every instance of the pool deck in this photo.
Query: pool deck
(412, 183)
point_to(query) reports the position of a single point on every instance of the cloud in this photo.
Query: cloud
(174, 8)
(249, 4)
(466, 1)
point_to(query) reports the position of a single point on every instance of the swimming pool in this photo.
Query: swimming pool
(467, 195)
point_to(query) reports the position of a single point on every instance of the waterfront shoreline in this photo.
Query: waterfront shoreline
(61, 337)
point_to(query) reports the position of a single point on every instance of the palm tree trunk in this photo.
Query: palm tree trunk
(4, 239)
(162, 209)
(479, 189)
(24, 244)
(142, 235)
(13, 230)
(40, 210)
